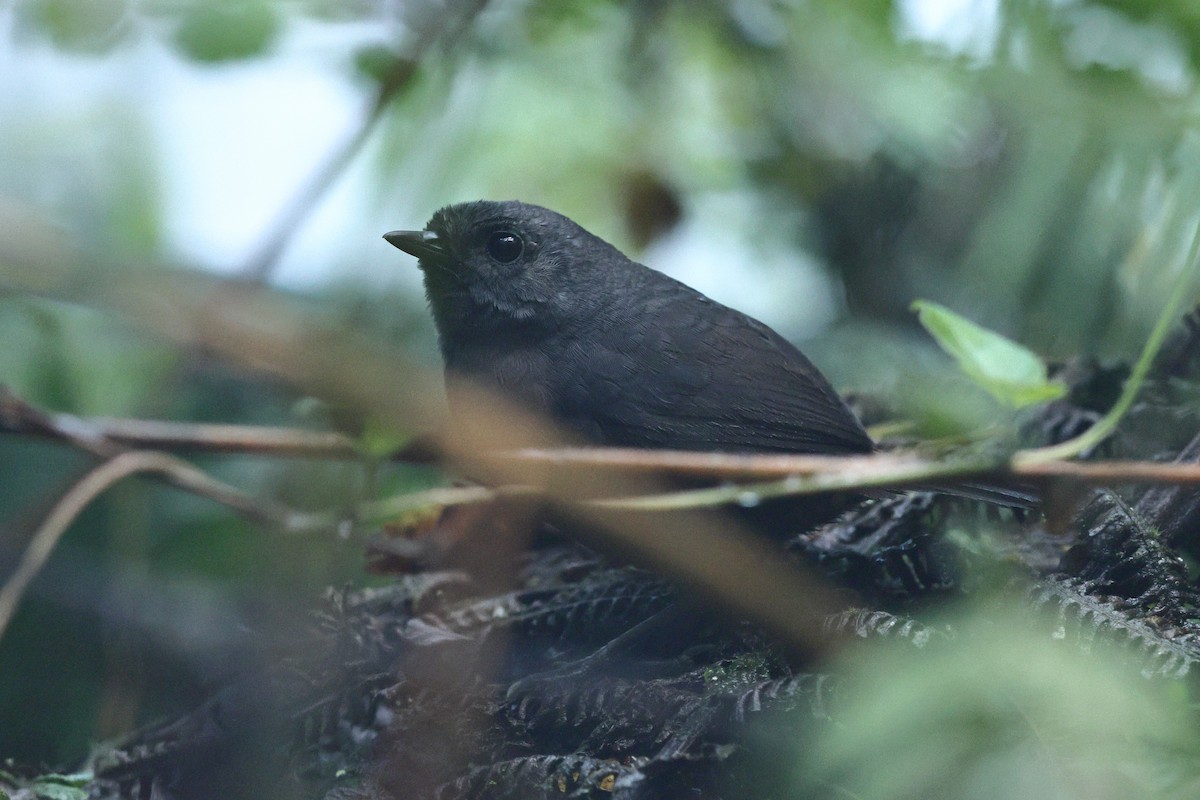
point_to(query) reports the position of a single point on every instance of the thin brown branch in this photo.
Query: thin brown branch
(259, 266)
(1103, 473)
(91, 436)
(898, 469)
(87, 489)
(20, 417)
(239, 439)
(789, 474)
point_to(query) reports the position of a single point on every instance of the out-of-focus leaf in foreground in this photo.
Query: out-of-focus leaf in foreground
(1006, 713)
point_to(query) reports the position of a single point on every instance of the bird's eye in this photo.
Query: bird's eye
(505, 247)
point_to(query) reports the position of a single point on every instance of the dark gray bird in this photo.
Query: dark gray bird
(528, 302)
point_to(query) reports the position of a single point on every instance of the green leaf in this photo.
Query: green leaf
(79, 780)
(381, 63)
(56, 791)
(1009, 372)
(61, 787)
(93, 27)
(380, 439)
(228, 30)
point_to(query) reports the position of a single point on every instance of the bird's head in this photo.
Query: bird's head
(489, 263)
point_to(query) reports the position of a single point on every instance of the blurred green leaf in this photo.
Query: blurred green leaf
(380, 439)
(227, 30)
(338, 10)
(380, 63)
(60, 787)
(1179, 17)
(82, 26)
(78, 360)
(545, 19)
(132, 206)
(1006, 713)
(1009, 372)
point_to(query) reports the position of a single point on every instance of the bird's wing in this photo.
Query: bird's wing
(686, 372)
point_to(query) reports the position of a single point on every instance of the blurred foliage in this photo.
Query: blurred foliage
(1032, 164)
(1044, 720)
(227, 29)
(93, 26)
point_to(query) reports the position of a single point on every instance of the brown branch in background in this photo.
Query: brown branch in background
(87, 489)
(1103, 473)
(19, 416)
(892, 469)
(259, 266)
(239, 439)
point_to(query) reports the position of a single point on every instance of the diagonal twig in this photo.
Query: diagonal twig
(259, 266)
(20, 416)
(87, 489)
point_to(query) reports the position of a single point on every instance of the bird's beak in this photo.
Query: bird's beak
(425, 245)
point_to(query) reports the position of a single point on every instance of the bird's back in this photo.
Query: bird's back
(665, 366)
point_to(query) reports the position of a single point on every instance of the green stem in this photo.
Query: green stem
(1108, 423)
(432, 499)
(750, 494)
